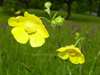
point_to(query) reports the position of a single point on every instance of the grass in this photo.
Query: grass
(3, 16)
(18, 59)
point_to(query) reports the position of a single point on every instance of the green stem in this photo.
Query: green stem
(69, 70)
(80, 69)
(77, 42)
(55, 14)
(58, 30)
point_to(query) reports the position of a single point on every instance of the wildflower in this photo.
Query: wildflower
(28, 28)
(72, 53)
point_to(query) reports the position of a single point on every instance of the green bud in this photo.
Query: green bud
(47, 4)
(58, 21)
(77, 35)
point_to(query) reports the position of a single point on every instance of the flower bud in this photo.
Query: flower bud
(58, 21)
(48, 4)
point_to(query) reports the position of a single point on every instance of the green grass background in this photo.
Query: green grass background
(18, 59)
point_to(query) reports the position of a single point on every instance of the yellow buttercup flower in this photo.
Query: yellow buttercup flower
(72, 53)
(28, 28)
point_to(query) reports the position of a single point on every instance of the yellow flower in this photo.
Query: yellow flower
(72, 53)
(28, 28)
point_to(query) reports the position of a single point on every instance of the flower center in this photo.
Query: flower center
(73, 53)
(30, 27)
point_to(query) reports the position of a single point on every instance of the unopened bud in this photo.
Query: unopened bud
(58, 21)
(48, 4)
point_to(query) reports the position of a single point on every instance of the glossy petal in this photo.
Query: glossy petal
(15, 21)
(20, 35)
(77, 60)
(26, 14)
(62, 49)
(37, 21)
(33, 18)
(36, 40)
(70, 47)
(12, 21)
(43, 31)
(63, 56)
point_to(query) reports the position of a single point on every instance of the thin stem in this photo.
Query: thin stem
(69, 70)
(58, 32)
(77, 42)
(49, 13)
(80, 69)
(55, 14)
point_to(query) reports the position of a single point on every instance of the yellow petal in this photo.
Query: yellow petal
(15, 21)
(43, 31)
(38, 22)
(36, 40)
(63, 56)
(62, 49)
(26, 14)
(20, 35)
(12, 21)
(32, 17)
(72, 47)
(68, 48)
(77, 60)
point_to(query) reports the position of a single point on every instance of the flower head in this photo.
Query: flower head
(28, 28)
(72, 53)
